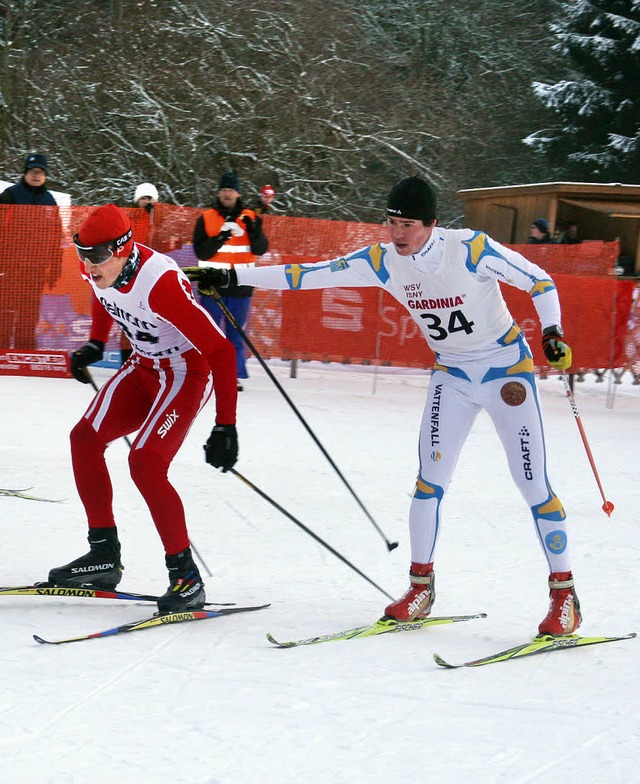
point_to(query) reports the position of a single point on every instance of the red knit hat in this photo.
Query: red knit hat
(268, 191)
(107, 224)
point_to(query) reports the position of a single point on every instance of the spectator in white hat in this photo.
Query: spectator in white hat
(146, 196)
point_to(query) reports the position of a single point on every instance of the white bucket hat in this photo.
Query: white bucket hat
(146, 189)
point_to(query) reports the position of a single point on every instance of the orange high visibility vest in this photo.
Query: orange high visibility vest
(236, 250)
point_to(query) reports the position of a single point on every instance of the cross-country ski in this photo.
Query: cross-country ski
(152, 622)
(80, 592)
(24, 493)
(542, 644)
(381, 626)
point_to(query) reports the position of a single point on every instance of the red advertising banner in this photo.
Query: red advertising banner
(53, 364)
(367, 326)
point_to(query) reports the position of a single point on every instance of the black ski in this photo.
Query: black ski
(46, 589)
(152, 622)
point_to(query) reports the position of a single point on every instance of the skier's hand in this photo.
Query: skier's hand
(221, 450)
(91, 352)
(211, 278)
(557, 352)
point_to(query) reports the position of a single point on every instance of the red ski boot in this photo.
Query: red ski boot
(416, 603)
(564, 611)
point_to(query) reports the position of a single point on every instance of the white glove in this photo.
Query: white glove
(233, 227)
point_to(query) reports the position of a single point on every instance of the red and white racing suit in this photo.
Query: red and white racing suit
(180, 356)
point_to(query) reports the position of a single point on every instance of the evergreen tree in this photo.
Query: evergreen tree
(598, 105)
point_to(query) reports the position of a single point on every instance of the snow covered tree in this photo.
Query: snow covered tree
(598, 105)
(327, 102)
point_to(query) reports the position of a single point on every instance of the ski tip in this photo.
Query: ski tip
(279, 644)
(441, 662)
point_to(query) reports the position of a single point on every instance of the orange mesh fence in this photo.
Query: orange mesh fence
(367, 326)
(45, 304)
(586, 258)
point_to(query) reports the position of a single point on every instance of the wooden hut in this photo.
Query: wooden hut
(601, 212)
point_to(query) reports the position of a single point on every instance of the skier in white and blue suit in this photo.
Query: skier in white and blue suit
(448, 281)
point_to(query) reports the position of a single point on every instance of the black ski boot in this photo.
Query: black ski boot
(186, 589)
(99, 568)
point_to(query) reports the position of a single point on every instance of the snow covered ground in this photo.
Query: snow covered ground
(214, 703)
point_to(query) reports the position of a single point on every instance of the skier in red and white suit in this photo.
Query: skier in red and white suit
(448, 281)
(179, 357)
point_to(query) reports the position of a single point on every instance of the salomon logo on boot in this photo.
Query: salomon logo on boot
(99, 568)
(186, 589)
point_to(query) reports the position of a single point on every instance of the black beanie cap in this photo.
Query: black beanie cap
(413, 198)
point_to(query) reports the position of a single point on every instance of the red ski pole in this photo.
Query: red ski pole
(607, 506)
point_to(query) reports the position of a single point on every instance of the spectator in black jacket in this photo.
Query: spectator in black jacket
(571, 235)
(539, 233)
(30, 253)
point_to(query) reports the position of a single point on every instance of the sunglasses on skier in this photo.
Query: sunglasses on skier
(99, 254)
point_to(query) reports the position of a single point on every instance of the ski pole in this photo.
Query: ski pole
(297, 522)
(607, 506)
(245, 337)
(129, 444)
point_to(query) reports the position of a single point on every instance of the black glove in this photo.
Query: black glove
(557, 352)
(221, 450)
(211, 278)
(252, 226)
(91, 352)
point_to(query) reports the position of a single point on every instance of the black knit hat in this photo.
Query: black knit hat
(36, 160)
(412, 198)
(230, 180)
(541, 224)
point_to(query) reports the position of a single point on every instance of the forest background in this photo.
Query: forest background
(330, 102)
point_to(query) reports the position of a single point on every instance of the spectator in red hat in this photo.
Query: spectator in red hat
(267, 195)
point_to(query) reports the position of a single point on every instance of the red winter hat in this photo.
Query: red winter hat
(107, 224)
(268, 190)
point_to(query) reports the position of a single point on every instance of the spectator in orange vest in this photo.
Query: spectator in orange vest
(225, 236)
